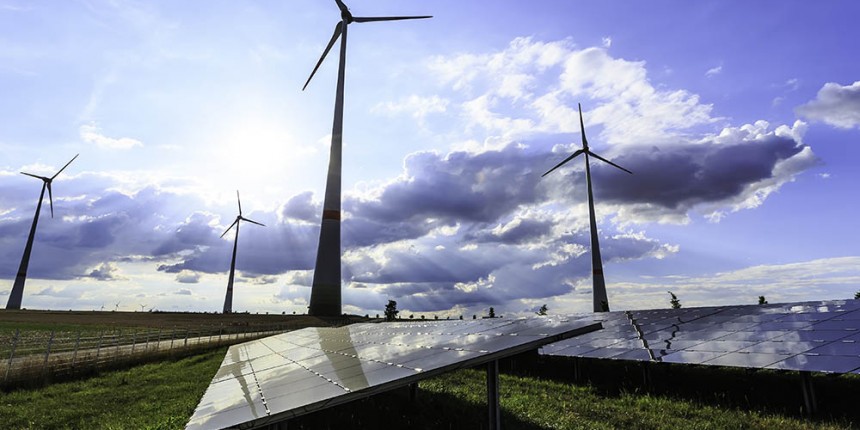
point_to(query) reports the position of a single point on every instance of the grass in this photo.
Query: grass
(152, 396)
(163, 396)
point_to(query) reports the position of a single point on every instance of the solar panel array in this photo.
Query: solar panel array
(271, 379)
(810, 336)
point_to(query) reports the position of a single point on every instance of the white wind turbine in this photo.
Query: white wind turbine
(18, 288)
(228, 299)
(326, 291)
(601, 301)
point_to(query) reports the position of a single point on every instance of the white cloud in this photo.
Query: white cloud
(90, 133)
(836, 105)
(188, 277)
(714, 71)
(532, 87)
(607, 42)
(416, 106)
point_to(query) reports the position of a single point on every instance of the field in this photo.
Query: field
(536, 393)
(37, 347)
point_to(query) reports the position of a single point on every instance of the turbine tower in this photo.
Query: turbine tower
(326, 289)
(228, 300)
(18, 288)
(601, 301)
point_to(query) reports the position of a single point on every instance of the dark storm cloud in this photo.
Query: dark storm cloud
(105, 272)
(302, 207)
(678, 177)
(466, 228)
(518, 231)
(461, 186)
(193, 232)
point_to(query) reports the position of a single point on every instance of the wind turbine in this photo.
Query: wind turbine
(326, 290)
(18, 288)
(601, 301)
(141, 307)
(116, 307)
(228, 300)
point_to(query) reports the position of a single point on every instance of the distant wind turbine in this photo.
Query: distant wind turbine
(116, 307)
(326, 290)
(18, 288)
(601, 301)
(141, 307)
(228, 300)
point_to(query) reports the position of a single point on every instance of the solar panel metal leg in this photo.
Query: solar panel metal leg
(646, 375)
(493, 395)
(809, 400)
(413, 391)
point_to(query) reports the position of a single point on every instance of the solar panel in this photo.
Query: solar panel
(808, 336)
(265, 381)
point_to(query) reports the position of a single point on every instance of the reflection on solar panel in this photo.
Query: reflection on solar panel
(268, 380)
(810, 336)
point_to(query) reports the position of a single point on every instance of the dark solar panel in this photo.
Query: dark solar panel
(272, 379)
(809, 336)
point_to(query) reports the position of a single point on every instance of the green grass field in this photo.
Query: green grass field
(163, 395)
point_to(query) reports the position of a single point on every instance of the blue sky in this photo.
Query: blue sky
(740, 121)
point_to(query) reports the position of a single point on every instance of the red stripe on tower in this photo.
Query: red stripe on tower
(331, 214)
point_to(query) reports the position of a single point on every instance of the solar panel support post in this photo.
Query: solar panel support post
(809, 400)
(413, 391)
(493, 409)
(646, 375)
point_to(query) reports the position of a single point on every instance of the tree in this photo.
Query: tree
(857, 295)
(542, 310)
(492, 312)
(391, 311)
(761, 300)
(676, 304)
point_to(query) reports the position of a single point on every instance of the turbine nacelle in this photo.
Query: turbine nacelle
(346, 19)
(47, 182)
(240, 217)
(584, 150)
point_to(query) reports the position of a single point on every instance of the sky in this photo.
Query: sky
(740, 122)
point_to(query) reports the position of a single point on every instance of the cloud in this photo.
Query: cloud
(90, 133)
(106, 272)
(835, 104)
(416, 106)
(188, 277)
(183, 292)
(531, 88)
(714, 71)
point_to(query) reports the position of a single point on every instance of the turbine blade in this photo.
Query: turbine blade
(578, 151)
(64, 167)
(240, 202)
(342, 6)
(252, 221)
(36, 176)
(50, 198)
(388, 18)
(582, 128)
(607, 161)
(231, 226)
(337, 31)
